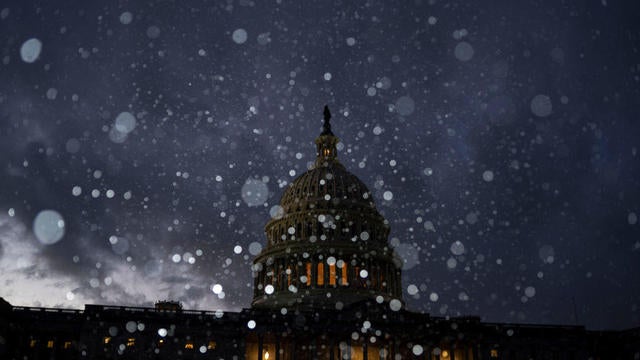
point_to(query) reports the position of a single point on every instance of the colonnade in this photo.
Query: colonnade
(282, 273)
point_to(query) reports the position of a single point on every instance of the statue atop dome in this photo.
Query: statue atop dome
(326, 125)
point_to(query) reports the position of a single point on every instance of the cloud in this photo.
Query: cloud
(28, 278)
(25, 278)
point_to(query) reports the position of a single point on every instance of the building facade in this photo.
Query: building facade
(327, 285)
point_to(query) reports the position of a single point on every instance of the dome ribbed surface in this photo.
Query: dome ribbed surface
(328, 187)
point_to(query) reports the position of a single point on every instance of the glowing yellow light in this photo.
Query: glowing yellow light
(50, 344)
(32, 343)
(212, 345)
(345, 282)
(308, 269)
(494, 353)
(266, 355)
(131, 342)
(445, 354)
(320, 279)
(332, 274)
(107, 340)
(188, 345)
(67, 344)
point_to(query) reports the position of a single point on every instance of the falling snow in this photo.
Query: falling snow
(146, 145)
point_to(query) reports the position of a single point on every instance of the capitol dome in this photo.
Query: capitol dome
(327, 247)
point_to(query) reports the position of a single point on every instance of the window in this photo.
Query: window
(33, 343)
(332, 274)
(188, 345)
(308, 271)
(320, 280)
(106, 340)
(131, 342)
(67, 344)
(50, 344)
(345, 280)
(494, 353)
(211, 345)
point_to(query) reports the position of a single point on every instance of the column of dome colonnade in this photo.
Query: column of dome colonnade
(328, 247)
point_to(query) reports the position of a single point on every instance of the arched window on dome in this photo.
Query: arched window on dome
(358, 280)
(332, 274)
(344, 280)
(308, 273)
(320, 279)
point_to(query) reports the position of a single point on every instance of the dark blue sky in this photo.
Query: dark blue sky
(500, 140)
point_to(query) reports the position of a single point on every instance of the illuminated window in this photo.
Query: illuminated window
(188, 345)
(106, 340)
(308, 270)
(67, 344)
(212, 345)
(332, 274)
(50, 344)
(320, 274)
(445, 354)
(345, 281)
(326, 152)
(131, 342)
(266, 355)
(494, 353)
(33, 343)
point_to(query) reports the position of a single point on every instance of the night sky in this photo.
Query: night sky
(143, 146)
